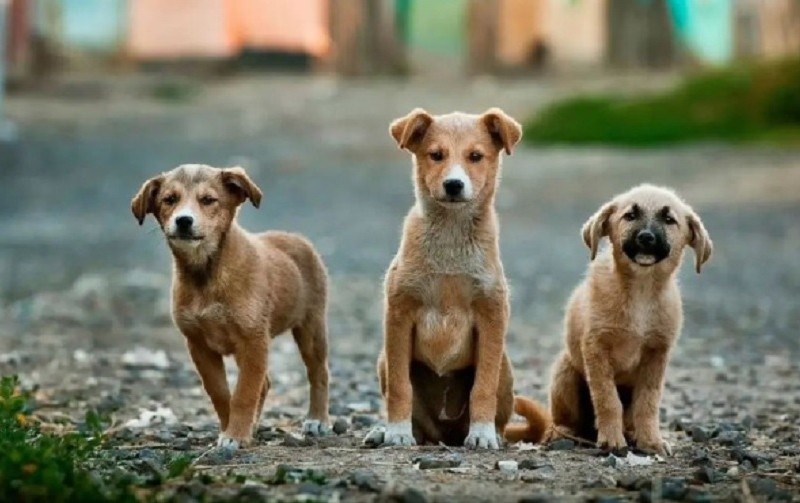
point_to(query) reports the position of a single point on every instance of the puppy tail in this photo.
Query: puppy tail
(537, 421)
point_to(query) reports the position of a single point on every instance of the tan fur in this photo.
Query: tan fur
(444, 364)
(233, 291)
(621, 323)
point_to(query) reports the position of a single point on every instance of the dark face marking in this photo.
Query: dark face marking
(647, 235)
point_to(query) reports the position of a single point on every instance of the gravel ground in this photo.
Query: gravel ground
(84, 290)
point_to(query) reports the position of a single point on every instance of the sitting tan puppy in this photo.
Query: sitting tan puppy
(233, 291)
(444, 372)
(623, 320)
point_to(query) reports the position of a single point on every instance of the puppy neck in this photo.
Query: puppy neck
(200, 264)
(457, 240)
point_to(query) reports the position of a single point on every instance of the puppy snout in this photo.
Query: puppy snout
(184, 223)
(453, 187)
(645, 238)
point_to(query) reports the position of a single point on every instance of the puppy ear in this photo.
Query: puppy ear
(699, 240)
(144, 201)
(236, 180)
(505, 131)
(596, 227)
(408, 131)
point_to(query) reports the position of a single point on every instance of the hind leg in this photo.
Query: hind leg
(312, 340)
(565, 399)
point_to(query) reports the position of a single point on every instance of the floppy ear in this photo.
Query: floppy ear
(144, 201)
(505, 131)
(596, 227)
(699, 240)
(236, 180)
(408, 131)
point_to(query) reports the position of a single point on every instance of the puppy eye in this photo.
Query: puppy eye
(629, 216)
(669, 220)
(171, 199)
(436, 155)
(475, 156)
(207, 200)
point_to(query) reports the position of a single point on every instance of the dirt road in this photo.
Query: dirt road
(82, 286)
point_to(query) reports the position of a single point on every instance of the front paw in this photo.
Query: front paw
(316, 428)
(654, 444)
(391, 434)
(611, 439)
(231, 443)
(399, 434)
(482, 436)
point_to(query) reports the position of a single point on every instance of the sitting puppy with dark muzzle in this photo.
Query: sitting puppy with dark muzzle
(623, 320)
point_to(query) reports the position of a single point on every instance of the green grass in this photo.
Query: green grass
(749, 103)
(38, 466)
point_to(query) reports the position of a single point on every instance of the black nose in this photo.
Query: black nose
(453, 187)
(184, 223)
(645, 238)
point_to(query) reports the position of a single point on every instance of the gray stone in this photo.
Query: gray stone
(365, 480)
(700, 434)
(340, 426)
(562, 444)
(433, 462)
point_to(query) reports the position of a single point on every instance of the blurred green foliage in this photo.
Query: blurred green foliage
(747, 103)
(38, 466)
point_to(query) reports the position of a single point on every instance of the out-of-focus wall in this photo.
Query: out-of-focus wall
(284, 25)
(767, 28)
(575, 32)
(553, 31)
(167, 29)
(520, 30)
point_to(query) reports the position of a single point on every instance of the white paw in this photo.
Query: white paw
(399, 434)
(226, 442)
(391, 434)
(482, 436)
(315, 428)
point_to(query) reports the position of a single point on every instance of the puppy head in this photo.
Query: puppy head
(649, 226)
(195, 204)
(456, 156)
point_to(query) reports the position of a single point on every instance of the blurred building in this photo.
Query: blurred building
(358, 37)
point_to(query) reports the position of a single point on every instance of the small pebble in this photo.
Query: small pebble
(340, 426)
(531, 464)
(730, 438)
(708, 475)
(562, 444)
(507, 467)
(309, 488)
(410, 495)
(433, 462)
(699, 434)
(546, 472)
(365, 480)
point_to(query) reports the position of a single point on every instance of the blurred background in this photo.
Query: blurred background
(99, 95)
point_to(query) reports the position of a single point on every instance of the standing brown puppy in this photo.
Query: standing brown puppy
(233, 291)
(623, 320)
(444, 372)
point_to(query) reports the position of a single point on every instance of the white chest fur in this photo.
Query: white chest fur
(444, 338)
